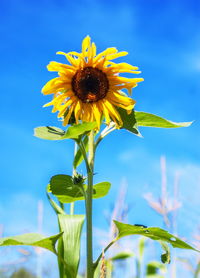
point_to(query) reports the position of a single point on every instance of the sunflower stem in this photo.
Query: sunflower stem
(90, 269)
(73, 174)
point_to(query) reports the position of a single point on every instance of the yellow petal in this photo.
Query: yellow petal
(117, 55)
(120, 99)
(66, 119)
(121, 66)
(55, 66)
(128, 107)
(55, 101)
(86, 112)
(113, 111)
(73, 61)
(94, 50)
(97, 114)
(53, 86)
(125, 79)
(77, 110)
(85, 45)
(64, 107)
(108, 51)
(105, 111)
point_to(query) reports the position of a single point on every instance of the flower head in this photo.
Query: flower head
(89, 87)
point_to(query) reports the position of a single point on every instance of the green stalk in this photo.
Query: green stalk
(62, 206)
(104, 251)
(72, 209)
(90, 269)
(73, 173)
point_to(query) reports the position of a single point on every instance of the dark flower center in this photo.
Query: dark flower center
(90, 84)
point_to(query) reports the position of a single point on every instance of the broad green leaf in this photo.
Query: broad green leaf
(151, 120)
(101, 189)
(66, 191)
(79, 157)
(129, 121)
(153, 233)
(75, 131)
(71, 225)
(32, 239)
(60, 183)
(122, 256)
(49, 132)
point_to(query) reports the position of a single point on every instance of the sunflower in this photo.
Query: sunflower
(89, 87)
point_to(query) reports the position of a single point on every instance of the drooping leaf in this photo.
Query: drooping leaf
(165, 257)
(66, 191)
(56, 207)
(79, 157)
(129, 121)
(49, 132)
(71, 225)
(122, 256)
(153, 233)
(32, 239)
(55, 133)
(151, 120)
(74, 131)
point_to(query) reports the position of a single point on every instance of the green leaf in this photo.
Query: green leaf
(19, 273)
(74, 131)
(154, 267)
(56, 207)
(55, 133)
(71, 225)
(66, 191)
(129, 121)
(60, 184)
(32, 239)
(78, 156)
(141, 247)
(153, 233)
(49, 132)
(101, 189)
(165, 257)
(122, 256)
(151, 120)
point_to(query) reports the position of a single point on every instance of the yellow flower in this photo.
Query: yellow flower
(90, 86)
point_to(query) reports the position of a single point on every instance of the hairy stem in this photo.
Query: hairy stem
(104, 251)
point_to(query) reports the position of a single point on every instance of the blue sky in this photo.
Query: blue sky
(163, 39)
